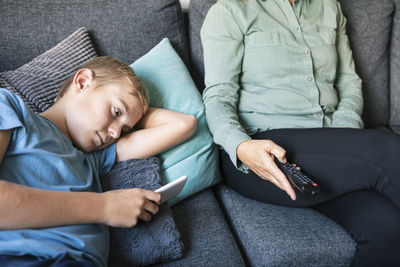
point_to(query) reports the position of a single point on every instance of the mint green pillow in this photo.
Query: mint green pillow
(171, 86)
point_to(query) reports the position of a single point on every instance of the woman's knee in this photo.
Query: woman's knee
(379, 245)
(373, 222)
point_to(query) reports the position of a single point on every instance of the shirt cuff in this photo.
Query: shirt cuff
(344, 119)
(230, 147)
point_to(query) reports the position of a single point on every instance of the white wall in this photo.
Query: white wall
(184, 4)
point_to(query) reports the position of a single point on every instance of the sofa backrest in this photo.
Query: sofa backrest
(197, 12)
(369, 27)
(374, 32)
(119, 28)
(394, 121)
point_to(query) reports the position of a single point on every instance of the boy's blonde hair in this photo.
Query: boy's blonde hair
(108, 70)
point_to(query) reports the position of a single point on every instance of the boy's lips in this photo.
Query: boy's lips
(101, 139)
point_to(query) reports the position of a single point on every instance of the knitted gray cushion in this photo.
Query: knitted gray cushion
(148, 242)
(39, 81)
(8, 86)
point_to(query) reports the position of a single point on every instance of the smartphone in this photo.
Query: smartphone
(171, 189)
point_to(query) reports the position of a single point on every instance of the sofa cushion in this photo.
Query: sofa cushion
(369, 26)
(120, 29)
(170, 86)
(274, 235)
(205, 233)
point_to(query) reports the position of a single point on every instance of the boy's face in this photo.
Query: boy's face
(98, 115)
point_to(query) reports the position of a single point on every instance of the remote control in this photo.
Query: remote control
(298, 180)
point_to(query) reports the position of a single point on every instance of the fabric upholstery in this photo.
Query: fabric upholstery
(205, 233)
(369, 25)
(395, 71)
(121, 29)
(274, 235)
(147, 242)
(198, 11)
(170, 86)
(39, 80)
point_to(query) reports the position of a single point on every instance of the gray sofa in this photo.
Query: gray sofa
(218, 226)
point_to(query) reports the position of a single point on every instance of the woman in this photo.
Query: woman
(51, 207)
(280, 82)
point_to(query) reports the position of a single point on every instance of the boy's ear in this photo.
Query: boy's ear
(82, 80)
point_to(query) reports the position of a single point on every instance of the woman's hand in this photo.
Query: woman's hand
(258, 156)
(124, 207)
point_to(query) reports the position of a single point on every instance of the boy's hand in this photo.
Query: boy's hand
(124, 207)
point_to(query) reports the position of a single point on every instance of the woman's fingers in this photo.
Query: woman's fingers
(271, 179)
(273, 174)
(297, 167)
(258, 155)
(277, 151)
(282, 180)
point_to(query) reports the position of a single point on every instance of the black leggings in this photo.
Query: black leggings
(358, 172)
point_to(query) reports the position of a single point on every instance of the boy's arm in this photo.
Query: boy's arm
(160, 130)
(4, 141)
(26, 207)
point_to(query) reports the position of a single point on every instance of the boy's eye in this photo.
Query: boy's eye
(117, 112)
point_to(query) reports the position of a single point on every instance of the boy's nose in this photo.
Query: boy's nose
(114, 131)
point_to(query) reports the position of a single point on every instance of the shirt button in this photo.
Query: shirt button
(309, 78)
(306, 52)
(296, 28)
(318, 115)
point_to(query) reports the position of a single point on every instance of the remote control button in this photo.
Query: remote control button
(298, 180)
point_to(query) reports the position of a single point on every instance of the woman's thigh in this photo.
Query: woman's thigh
(339, 160)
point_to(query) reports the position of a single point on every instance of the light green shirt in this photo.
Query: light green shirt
(269, 65)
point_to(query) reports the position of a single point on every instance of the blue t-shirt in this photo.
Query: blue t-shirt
(40, 156)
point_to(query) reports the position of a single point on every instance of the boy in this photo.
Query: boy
(51, 208)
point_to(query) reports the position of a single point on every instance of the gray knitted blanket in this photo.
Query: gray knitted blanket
(147, 242)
